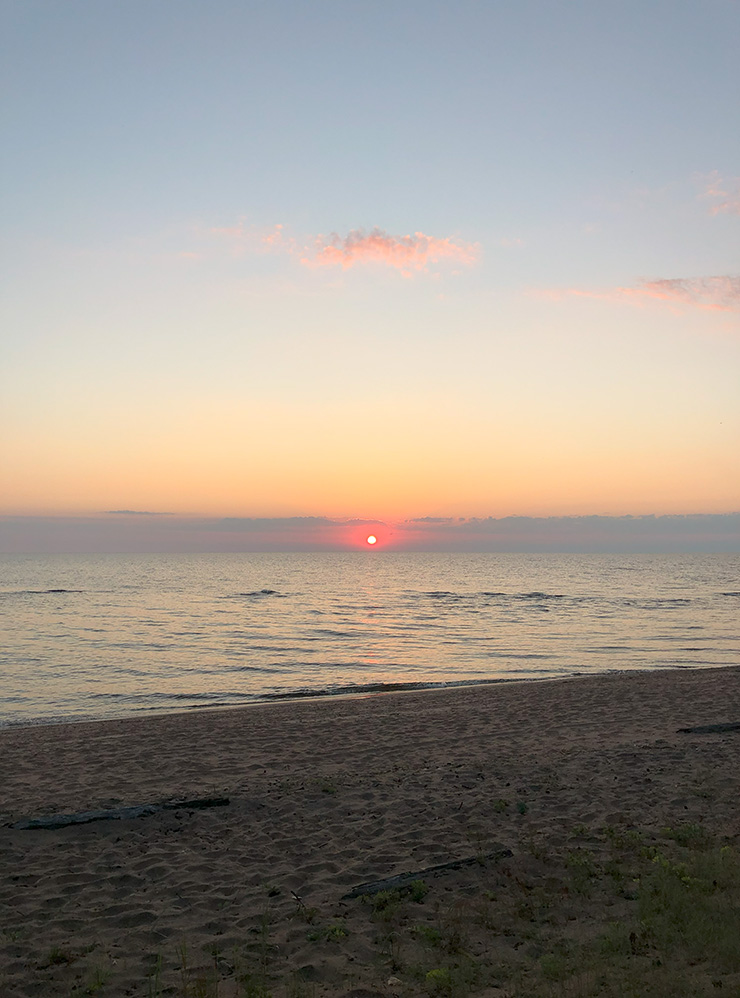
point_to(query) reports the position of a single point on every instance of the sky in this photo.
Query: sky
(362, 262)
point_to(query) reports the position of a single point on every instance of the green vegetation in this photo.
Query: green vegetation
(57, 956)
(328, 933)
(620, 913)
(417, 891)
(97, 980)
(612, 912)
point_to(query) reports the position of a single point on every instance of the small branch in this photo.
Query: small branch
(402, 879)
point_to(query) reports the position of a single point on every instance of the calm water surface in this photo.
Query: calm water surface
(114, 635)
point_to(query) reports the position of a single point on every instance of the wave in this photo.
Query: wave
(329, 632)
(256, 594)
(37, 592)
(443, 595)
(158, 698)
(365, 689)
(542, 597)
(155, 701)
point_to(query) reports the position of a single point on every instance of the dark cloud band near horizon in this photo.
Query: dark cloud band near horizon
(132, 531)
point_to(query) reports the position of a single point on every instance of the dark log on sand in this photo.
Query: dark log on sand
(53, 821)
(403, 879)
(710, 729)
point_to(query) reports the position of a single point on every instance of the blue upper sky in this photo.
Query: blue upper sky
(494, 119)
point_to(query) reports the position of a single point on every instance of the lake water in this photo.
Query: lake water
(98, 636)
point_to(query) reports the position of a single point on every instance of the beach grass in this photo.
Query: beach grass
(618, 912)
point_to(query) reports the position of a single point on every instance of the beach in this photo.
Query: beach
(514, 779)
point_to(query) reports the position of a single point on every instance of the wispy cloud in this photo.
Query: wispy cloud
(243, 238)
(404, 253)
(718, 294)
(137, 512)
(235, 232)
(276, 237)
(715, 294)
(725, 194)
(407, 254)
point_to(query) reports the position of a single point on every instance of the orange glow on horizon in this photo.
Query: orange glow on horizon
(184, 463)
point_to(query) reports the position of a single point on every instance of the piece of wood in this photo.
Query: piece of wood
(403, 879)
(710, 729)
(53, 821)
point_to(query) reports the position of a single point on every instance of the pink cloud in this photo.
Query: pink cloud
(404, 253)
(228, 231)
(243, 239)
(720, 294)
(275, 237)
(715, 294)
(726, 194)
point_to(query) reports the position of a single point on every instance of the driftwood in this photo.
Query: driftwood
(710, 729)
(117, 813)
(403, 879)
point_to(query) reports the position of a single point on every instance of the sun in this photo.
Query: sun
(372, 539)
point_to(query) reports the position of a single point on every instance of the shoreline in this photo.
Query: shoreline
(373, 690)
(326, 795)
(308, 697)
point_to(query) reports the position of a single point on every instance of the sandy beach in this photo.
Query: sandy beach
(249, 897)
